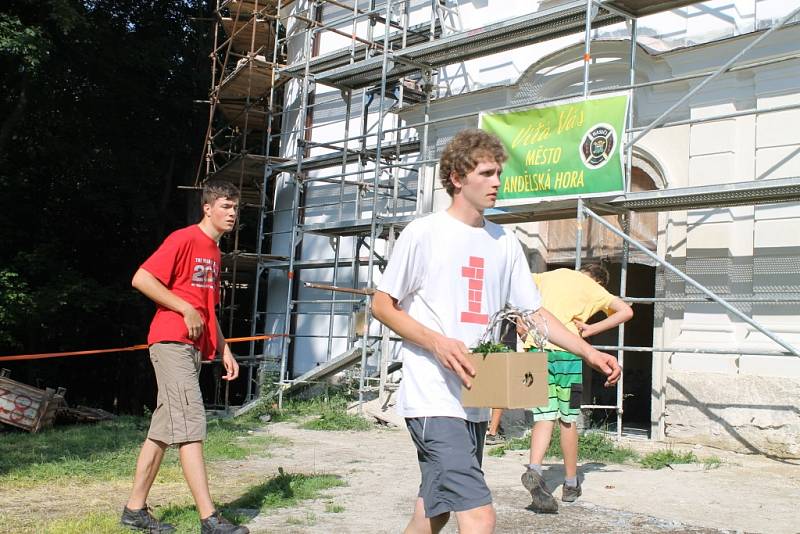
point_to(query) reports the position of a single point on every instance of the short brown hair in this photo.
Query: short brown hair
(462, 153)
(596, 272)
(214, 189)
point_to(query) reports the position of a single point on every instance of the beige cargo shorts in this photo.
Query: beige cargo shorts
(179, 416)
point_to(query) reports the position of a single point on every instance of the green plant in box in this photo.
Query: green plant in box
(487, 347)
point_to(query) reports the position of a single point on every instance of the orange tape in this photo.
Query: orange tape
(44, 355)
(587, 57)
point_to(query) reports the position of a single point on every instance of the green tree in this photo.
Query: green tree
(97, 131)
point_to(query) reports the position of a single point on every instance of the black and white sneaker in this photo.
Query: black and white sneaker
(216, 524)
(144, 521)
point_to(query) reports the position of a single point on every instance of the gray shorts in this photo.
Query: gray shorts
(450, 451)
(180, 416)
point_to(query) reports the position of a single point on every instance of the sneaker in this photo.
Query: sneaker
(543, 501)
(494, 439)
(216, 524)
(145, 521)
(569, 493)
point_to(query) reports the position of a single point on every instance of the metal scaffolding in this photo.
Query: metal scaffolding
(244, 92)
(360, 189)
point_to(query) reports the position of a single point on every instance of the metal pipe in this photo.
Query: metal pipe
(295, 214)
(753, 299)
(687, 350)
(723, 116)
(623, 286)
(587, 48)
(326, 301)
(373, 222)
(260, 242)
(714, 76)
(617, 88)
(691, 281)
(356, 291)
(319, 25)
(629, 114)
(579, 235)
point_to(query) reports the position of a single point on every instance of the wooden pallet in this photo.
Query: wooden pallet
(27, 407)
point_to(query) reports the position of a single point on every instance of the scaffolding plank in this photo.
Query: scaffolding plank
(641, 8)
(353, 227)
(250, 117)
(248, 7)
(542, 25)
(249, 35)
(248, 261)
(334, 158)
(243, 165)
(252, 77)
(713, 196)
(419, 33)
(326, 263)
(326, 369)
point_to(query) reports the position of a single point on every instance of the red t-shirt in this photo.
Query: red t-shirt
(187, 263)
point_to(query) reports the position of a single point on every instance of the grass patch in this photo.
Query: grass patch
(286, 489)
(595, 447)
(95, 523)
(328, 412)
(108, 451)
(712, 462)
(513, 444)
(309, 519)
(667, 457)
(337, 420)
(334, 508)
(186, 520)
(282, 491)
(592, 446)
(105, 451)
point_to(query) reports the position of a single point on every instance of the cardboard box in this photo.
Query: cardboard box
(507, 380)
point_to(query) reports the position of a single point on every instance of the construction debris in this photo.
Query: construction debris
(83, 414)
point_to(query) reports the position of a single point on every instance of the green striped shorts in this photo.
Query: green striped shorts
(563, 370)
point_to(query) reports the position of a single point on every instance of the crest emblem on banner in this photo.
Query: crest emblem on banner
(597, 145)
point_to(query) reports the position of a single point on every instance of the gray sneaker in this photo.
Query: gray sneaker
(543, 501)
(494, 439)
(143, 520)
(569, 493)
(216, 524)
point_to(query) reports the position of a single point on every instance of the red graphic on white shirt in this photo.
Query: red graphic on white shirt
(474, 273)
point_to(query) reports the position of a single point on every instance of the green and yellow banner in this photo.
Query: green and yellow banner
(564, 150)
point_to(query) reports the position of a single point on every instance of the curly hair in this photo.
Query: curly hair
(462, 153)
(596, 272)
(214, 189)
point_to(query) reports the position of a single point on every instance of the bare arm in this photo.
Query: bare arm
(228, 360)
(620, 312)
(450, 352)
(153, 289)
(559, 335)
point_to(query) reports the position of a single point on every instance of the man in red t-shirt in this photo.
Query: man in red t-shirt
(182, 278)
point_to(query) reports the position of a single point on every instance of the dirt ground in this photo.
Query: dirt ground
(744, 494)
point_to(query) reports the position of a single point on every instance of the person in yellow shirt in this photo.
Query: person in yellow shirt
(572, 297)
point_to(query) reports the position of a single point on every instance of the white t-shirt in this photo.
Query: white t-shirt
(452, 278)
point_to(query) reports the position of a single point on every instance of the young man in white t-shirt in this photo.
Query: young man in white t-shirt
(448, 274)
